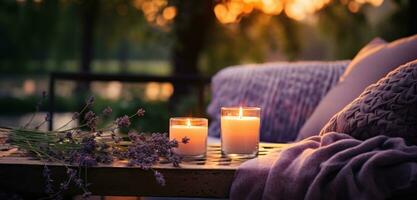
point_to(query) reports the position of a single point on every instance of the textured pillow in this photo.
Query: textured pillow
(280, 89)
(388, 107)
(372, 63)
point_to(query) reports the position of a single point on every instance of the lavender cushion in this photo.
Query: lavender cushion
(388, 107)
(372, 63)
(280, 89)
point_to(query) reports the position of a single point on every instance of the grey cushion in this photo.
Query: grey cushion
(388, 107)
(286, 92)
(372, 63)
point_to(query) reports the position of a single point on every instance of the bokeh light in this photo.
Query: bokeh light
(156, 12)
(231, 11)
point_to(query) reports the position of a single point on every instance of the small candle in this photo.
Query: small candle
(240, 131)
(195, 129)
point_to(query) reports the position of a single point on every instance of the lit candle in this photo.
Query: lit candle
(195, 129)
(240, 131)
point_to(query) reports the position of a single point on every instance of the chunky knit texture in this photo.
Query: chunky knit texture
(286, 92)
(388, 107)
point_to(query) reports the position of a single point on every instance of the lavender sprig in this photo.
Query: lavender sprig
(74, 147)
(37, 107)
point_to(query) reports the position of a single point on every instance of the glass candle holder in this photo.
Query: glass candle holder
(240, 128)
(195, 129)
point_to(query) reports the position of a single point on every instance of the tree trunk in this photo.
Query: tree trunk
(191, 27)
(88, 15)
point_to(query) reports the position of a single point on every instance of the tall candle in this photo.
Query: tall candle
(195, 129)
(240, 131)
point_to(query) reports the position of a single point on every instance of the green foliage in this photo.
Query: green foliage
(348, 31)
(40, 37)
(250, 41)
(399, 23)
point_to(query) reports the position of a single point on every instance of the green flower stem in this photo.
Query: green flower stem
(66, 124)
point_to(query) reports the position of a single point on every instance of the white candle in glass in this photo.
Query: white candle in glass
(194, 129)
(240, 131)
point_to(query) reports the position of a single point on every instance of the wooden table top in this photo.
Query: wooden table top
(209, 177)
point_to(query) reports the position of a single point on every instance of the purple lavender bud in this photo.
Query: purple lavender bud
(159, 178)
(87, 161)
(88, 144)
(68, 135)
(174, 159)
(107, 111)
(140, 112)
(123, 121)
(91, 119)
(132, 136)
(92, 123)
(75, 116)
(173, 143)
(185, 140)
(89, 115)
(142, 137)
(90, 101)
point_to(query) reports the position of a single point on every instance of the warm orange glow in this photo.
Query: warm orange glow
(29, 87)
(160, 13)
(113, 90)
(188, 122)
(169, 12)
(158, 91)
(152, 91)
(376, 2)
(231, 11)
(156, 12)
(272, 7)
(353, 6)
(167, 89)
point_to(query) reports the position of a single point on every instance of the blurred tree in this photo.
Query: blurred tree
(191, 27)
(348, 31)
(89, 12)
(32, 33)
(27, 31)
(402, 22)
(250, 41)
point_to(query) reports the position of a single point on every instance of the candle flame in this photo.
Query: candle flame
(188, 122)
(240, 112)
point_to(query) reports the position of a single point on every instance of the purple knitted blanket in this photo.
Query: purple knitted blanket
(332, 166)
(286, 92)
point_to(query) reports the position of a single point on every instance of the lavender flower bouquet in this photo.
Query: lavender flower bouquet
(87, 145)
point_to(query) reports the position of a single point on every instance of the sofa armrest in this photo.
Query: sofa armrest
(287, 93)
